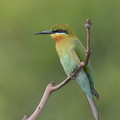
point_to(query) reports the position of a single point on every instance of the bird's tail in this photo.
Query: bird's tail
(93, 107)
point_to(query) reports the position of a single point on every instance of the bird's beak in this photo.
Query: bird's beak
(44, 32)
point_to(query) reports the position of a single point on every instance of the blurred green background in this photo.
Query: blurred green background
(28, 63)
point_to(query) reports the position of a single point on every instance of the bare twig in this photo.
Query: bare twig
(88, 51)
(51, 88)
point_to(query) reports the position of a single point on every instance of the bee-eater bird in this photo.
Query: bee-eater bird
(71, 52)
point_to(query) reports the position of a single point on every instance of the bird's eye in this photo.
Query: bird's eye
(59, 30)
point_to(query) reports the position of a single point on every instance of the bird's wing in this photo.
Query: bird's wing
(80, 50)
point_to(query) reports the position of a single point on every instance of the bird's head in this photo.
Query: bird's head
(59, 32)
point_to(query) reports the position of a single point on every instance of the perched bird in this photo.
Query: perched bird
(71, 52)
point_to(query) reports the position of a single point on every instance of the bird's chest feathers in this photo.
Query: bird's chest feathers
(68, 56)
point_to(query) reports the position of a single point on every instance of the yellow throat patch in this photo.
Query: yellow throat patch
(58, 37)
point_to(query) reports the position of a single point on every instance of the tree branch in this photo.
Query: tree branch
(51, 86)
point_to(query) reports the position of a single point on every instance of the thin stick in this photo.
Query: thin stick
(87, 25)
(88, 51)
(51, 88)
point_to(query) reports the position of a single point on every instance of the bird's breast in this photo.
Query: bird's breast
(68, 58)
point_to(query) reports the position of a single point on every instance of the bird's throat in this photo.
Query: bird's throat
(58, 37)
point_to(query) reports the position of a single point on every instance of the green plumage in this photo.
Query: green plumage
(71, 52)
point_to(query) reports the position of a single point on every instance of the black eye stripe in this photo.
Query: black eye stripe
(60, 31)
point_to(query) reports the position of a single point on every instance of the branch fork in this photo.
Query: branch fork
(51, 86)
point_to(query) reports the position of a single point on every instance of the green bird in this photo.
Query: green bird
(71, 52)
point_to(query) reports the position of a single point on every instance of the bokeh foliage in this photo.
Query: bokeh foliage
(28, 63)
